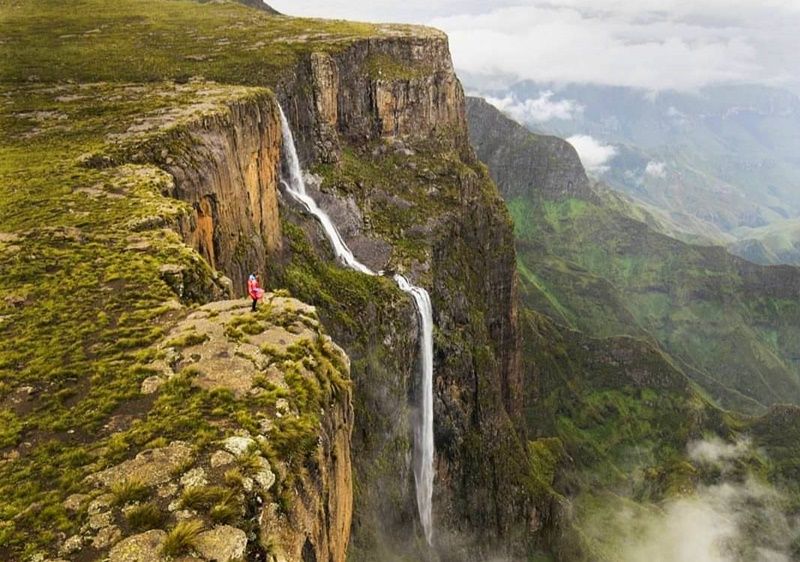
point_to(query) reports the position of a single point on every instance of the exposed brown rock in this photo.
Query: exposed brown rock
(150, 467)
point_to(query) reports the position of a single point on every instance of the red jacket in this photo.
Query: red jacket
(253, 289)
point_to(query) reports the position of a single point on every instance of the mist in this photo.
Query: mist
(736, 519)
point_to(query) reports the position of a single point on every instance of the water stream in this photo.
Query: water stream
(423, 426)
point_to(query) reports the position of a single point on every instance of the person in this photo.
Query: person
(254, 290)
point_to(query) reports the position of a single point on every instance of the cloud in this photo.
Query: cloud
(557, 43)
(656, 169)
(737, 519)
(649, 44)
(594, 154)
(714, 525)
(537, 110)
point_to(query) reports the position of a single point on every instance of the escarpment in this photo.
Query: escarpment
(383, 124)
(170, 182)
(225, 161)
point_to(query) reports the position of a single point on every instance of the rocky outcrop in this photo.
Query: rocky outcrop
(230, 176)
(388, 86)
(518, 158)
(245, 495)
(223, 154)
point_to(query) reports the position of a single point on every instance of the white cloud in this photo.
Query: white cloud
(650, 44)
(713, 526)
(594, 154)
(656, 169)
(733, 520)
(537, 110)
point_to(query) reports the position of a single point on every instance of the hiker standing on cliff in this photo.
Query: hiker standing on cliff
(254, 290)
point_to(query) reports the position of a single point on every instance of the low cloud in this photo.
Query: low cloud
(736, 519)
(595, 155)
(656, 169)
(537, 110)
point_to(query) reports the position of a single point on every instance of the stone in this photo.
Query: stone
(100, 504)
(150, 468)
(194, 478)
(223, 544)
(264, 475)
(167, 490)
(100, 520)
(185, 514)
(151, 384)
(106, 537)
(144, 547)
(238, 445)
(75, 501)
(221, 458)
(72, 544)
(265, 478)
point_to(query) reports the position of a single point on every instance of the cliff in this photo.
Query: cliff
(134, 425)
(156, 184)
(382, 127)
(522, 163)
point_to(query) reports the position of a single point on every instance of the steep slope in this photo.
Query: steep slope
(731, 324)
(115, 133)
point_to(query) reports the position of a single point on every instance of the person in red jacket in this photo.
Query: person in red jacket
(254, 290)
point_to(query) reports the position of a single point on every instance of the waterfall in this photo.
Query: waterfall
(423, 430)
(423, 426)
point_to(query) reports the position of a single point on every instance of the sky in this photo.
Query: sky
(654, 45)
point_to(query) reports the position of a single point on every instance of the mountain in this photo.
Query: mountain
(149, 165)
(732, 325)
(721, 162)
(631, 340)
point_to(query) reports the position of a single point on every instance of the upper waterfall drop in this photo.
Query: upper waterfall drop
(296, 186)
(423, 427)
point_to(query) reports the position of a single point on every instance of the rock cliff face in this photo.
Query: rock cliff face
(227, 168)
(517, 159)
(224, 158)
(230, 176)
(383, 123)
(377, 88)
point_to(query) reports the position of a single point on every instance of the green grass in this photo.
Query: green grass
(128, 491)
(592, 268)
(145, 517)
(182, 537)
(152, 40)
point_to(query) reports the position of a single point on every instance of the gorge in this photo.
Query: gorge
(153, 160)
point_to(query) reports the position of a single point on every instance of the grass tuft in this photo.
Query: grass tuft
(128, 491)
(145, 517)
(182, 538)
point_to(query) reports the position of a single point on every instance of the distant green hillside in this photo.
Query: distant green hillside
(721, 162)
(732, 326)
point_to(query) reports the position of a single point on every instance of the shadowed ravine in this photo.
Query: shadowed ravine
(423, 426)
